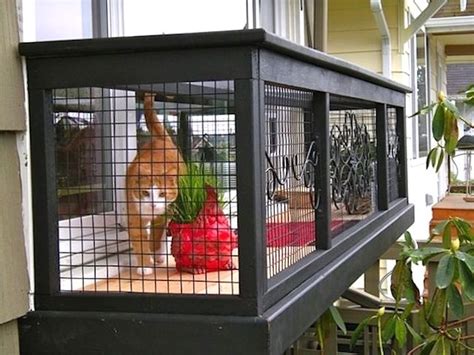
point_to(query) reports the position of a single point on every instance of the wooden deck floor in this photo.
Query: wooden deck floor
(168, 280)
(452, 205)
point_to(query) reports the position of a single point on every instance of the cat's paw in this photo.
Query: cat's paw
(159, 259)
(143, 271)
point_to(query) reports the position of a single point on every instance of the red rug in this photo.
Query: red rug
(294, 233)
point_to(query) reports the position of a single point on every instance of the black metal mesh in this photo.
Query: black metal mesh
(291, 159)
(393, 148)
(111, 243)
(352, 132)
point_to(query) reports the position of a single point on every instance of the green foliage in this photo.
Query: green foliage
(336, 316)
(445, 126)
(438, 122)
(454, 279)
(360, 328)
(469, 95)
(324, 324)
(467, 280)
(455, 301)
(445, 272)
(437, 308)
(400, 332)
(442, 346)
(192, 192)
(454, 283)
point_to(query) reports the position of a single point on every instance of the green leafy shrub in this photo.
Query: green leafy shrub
(454, 279)
(444, 126)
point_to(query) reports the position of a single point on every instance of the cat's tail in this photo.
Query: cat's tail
(155, 127)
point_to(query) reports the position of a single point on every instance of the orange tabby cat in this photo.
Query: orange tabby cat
(152, 185)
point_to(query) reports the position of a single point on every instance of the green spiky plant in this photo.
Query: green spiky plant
(442, 314)
(192, 192)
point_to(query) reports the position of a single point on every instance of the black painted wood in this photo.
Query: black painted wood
(255, 38)
(291, 316)
(401, 129)
(267, 315)
(109, 70)
(279, 68)
(49, 332)
(119, 332)
(289, 279)
(251, 189)
(382, 162)
(147, 303)
(43, 167)
(323, 214)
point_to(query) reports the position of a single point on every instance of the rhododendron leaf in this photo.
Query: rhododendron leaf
(455, 301)
(400, 332)
(445, 272)
(438, 122)
(467, 280)
(437, 309)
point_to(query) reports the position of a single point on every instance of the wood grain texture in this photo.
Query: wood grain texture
(452, 205)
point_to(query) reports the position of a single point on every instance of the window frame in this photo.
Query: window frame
(417, 153)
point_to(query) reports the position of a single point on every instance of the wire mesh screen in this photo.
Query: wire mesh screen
(146, 188)
(393, 148)
(353, 165)
(291, 161)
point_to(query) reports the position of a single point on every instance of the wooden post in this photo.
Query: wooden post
(372, 279)
(320, 30)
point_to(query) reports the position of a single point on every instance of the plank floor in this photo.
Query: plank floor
(167, 280)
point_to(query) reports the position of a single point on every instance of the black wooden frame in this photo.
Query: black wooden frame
(294, 297)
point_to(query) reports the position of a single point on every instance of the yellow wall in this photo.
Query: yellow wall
(353, 35)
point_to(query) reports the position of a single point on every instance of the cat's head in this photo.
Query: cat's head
(153, 196)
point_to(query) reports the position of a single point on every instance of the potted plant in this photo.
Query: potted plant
(202, 237)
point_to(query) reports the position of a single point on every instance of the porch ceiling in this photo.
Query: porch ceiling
(456, 33)
(460, 24)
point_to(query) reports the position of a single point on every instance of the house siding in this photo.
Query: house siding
(452, 9)
(9, 343)
(13, 268)
(12, 114)
(353, 35)
(460, 77)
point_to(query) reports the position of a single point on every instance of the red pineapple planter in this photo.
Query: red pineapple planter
(205, 244)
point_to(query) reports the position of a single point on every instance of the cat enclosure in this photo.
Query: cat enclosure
(284, 171)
